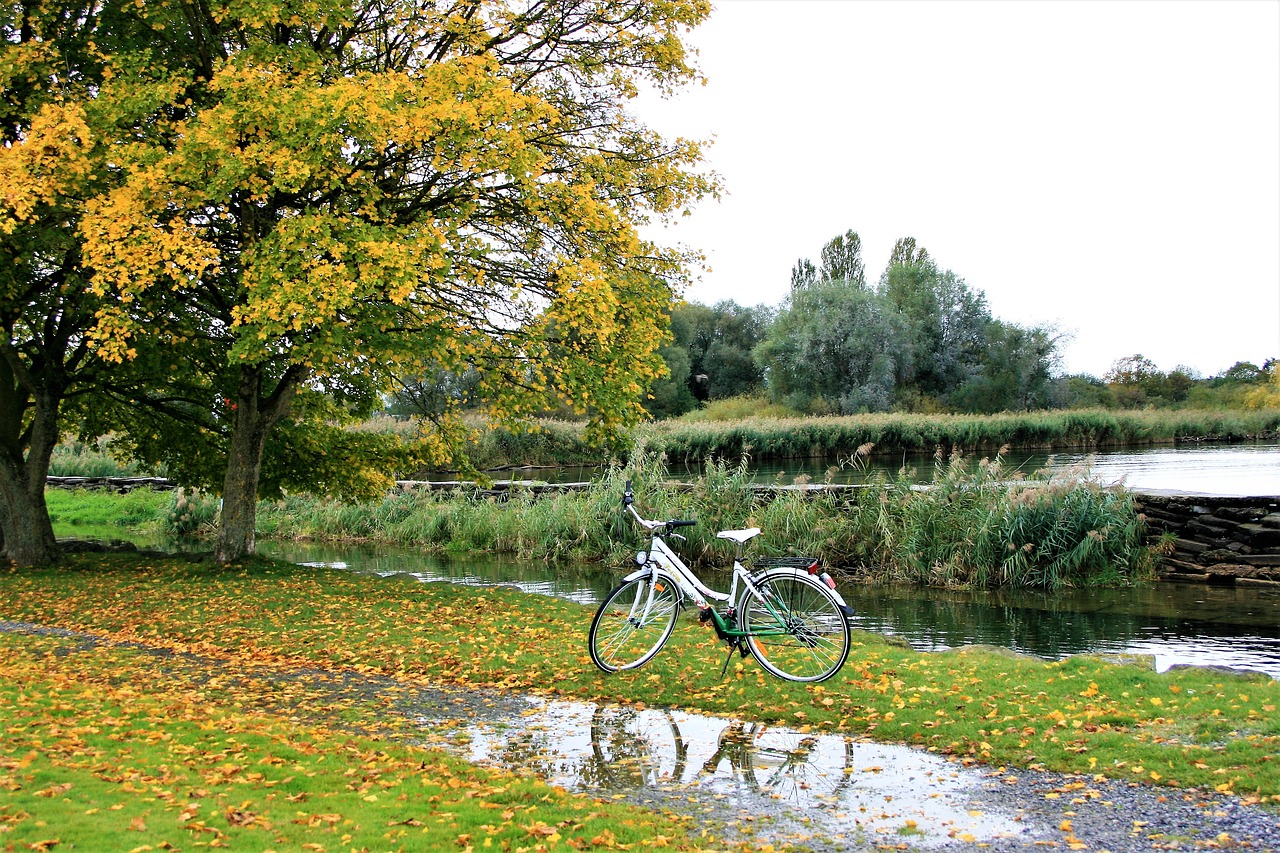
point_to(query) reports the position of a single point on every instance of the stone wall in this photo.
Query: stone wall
(1219, 540)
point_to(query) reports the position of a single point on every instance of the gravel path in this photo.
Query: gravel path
(826, 792)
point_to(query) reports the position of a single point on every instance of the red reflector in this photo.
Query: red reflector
(813, 567)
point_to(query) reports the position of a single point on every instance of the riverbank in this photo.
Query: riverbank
(1182, 729)
(834, 437)
(825, 439)
(977, 525)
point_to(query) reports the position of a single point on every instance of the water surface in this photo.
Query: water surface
(1178, 624)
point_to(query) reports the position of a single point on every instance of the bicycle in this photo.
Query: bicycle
(790, 619)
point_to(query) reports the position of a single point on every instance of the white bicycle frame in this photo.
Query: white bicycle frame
(660, 556)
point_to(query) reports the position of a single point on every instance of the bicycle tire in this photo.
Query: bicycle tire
(628, 629)
(815, 642)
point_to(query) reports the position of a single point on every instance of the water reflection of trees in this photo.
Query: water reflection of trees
(1026, 623)
(1060, 624)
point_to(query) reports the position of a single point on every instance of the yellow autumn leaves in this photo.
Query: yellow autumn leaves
(51, 162)
(345, 190)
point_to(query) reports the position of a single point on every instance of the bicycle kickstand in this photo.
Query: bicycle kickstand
(724, 669)
(739, 646)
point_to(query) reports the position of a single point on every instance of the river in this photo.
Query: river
(1176, 624)
(1218, 469)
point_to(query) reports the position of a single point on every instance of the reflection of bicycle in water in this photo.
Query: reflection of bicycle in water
(632, 748)
(804, 769)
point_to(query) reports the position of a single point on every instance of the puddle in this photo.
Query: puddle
(832, 783)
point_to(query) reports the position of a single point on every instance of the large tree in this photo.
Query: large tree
(1015, 371)
(51, 162)
(835, 346)
(336, 194)
(947, 322)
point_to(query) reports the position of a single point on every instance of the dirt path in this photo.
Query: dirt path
(823, 791)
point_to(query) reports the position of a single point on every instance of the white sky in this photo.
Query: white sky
(1110, 167)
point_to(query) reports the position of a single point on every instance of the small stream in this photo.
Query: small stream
(1177, 624)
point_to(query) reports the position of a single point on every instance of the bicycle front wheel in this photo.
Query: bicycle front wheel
(633, 622)
(797, 630)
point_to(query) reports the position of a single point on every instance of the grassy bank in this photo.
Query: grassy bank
(1190, 728)
(978, 525)
(696, 439)
(834, 437)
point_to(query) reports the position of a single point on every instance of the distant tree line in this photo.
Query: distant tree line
(918, 339)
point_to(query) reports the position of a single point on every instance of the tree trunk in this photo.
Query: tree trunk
(25, 530)
(27, 538)
(255, 415)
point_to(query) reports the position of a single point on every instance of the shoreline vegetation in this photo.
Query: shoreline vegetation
(723, 432)
(697, 439)
(978, 525)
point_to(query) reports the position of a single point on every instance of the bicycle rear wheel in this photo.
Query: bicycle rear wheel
(797, 629)
(633, 622)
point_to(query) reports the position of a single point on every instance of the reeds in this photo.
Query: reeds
(976, 525)
(980, 525)
(74, 458)
(189, 513)
(831, 437)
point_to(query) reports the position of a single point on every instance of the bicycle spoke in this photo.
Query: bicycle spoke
(633, 623)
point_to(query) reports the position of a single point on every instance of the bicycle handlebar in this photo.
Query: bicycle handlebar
(628, 499)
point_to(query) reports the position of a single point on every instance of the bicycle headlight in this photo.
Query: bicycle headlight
(642, 557)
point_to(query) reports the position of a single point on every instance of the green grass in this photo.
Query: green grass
(75, 458)
(105, 512)
(97, 753)
(1190, 728)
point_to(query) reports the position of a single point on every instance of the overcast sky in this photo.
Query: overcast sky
(1109, 167)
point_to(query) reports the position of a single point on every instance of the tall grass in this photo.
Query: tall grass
(728, 430)
(76, 458)
(831, 437)
(981, 525)
(977, 525)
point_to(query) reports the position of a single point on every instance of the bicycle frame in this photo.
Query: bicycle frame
(661, 556)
